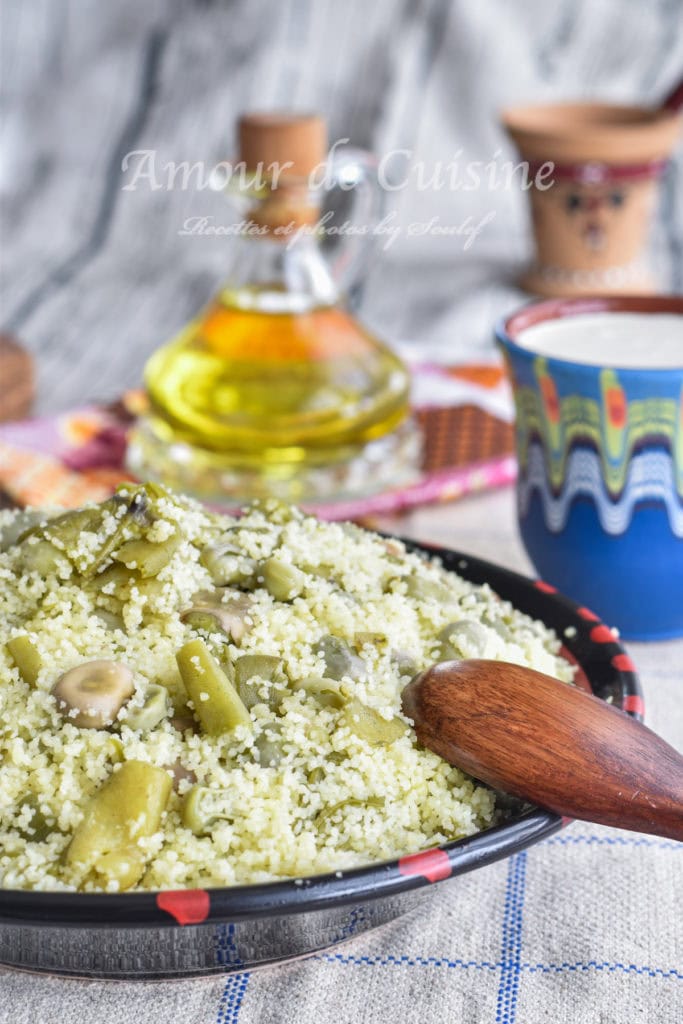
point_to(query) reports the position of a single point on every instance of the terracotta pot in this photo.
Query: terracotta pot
(591, 220)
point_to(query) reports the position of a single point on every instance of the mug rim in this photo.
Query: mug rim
(508, 328)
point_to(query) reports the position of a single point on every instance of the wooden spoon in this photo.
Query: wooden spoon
(550, 743)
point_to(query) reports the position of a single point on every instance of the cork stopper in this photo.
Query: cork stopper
(298, 140)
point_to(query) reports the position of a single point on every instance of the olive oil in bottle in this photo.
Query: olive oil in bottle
(276, 389)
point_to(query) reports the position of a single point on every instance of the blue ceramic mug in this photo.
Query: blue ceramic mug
(598, 387)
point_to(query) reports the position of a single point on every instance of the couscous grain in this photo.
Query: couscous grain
(293, 758)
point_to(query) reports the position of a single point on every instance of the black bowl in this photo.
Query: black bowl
(202, 932)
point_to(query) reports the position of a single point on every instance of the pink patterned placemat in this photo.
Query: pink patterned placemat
(465, 413)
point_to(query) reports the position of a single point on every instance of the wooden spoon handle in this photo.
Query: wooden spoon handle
(550, 743)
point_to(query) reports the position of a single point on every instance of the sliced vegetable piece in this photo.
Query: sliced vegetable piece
(269, 745)
(228, 566)
(326, 692)
(217, 704)
(340, 660)
(25, 656)
(146, 558)
(426, 589)
(251, 668)
(282, 580)
(114, 580)
(404, 662)
(464, 638)
(211, 614)
(105, 846)
(154, 709)
(369, 725)
(43, 557)
(201, 810)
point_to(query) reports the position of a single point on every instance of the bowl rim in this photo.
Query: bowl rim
(508, 328)
(603, 666)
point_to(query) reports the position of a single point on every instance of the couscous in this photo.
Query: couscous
(188, 699)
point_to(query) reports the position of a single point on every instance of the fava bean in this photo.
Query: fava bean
(340, 660)
(251, 668)
(269, 746)
(426, 589)
(153, 711)
(210, 614)
(201, 810)
(91, 695)
(464, 638)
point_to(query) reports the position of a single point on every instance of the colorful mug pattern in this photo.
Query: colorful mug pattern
(600, 483)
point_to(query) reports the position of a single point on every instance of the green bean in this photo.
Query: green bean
(339, 659)
(153, 711)
(25, 656)
(250, 667)
(135, 516)
(216, 702)
(147, 558)
(65, 530)
(43, 557)
(282, 580)
(369, 725)
(64, 533)
(105, 846)
(326, 692)
(201, 810)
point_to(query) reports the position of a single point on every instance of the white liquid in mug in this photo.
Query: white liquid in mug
(622, 340)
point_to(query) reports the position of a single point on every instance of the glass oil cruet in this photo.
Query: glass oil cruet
(275, 389)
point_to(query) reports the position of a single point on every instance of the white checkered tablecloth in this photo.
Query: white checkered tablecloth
(584, 928)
